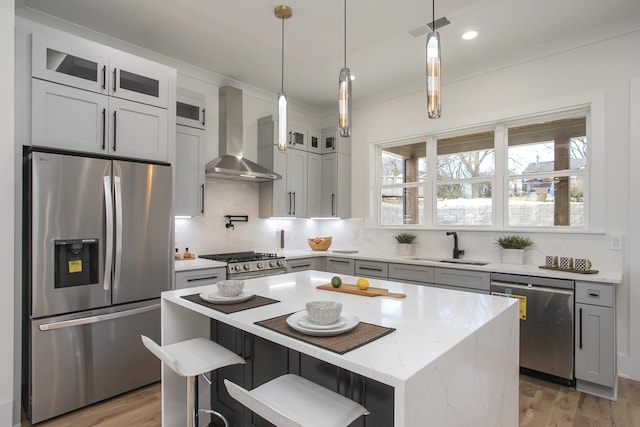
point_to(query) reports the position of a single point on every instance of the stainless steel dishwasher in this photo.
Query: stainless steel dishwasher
(546, 323)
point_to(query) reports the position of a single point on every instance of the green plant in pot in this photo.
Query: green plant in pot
(405, 243)
(513, 248)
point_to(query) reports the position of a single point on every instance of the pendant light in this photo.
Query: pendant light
(434, 81)
(344, 89)
(282, 12)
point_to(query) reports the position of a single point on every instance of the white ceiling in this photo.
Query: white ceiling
(241, 39)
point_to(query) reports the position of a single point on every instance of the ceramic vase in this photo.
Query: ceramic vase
(405, 249)
(512, 256)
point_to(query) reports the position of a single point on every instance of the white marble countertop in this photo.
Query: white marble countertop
(604, 275)
(429, 321)
(452, 360)
(197, 264)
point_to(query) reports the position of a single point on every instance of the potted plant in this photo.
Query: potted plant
(405, 243)
(513, 248)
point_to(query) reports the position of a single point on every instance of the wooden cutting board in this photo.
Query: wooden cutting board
(369, 292)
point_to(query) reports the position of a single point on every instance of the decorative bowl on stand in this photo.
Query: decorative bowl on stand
(319, 243)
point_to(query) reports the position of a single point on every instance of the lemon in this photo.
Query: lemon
(362, 283)
(336, 281)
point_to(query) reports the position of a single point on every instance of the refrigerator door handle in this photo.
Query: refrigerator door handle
(118, 252)
(108, 256)
(95, 319)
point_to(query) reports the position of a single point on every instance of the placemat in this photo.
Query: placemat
(255, 301)
(362, 334)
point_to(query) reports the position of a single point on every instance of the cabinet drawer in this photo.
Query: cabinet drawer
(595, 293)
(419, 274)
(372, 269)
(463, 278)
(192, 278)
(341, 266)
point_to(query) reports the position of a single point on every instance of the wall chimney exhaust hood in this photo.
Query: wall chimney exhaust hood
(231, 164)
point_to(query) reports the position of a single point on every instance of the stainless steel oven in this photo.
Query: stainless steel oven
(249, 265)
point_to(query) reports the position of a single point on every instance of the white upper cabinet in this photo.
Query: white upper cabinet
(332, 142)
(70, 61)
(92, 98)
(189, 169)
(138, 79)
(191, 109)
(314, 141)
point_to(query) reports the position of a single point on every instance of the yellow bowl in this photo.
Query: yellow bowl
(319, 243)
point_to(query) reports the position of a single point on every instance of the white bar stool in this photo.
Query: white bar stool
(192, 358)
(293, 401)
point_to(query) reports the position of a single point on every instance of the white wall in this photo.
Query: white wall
(9, 378)
(599, 71)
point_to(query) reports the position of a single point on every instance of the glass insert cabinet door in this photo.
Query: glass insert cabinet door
(138, 80)
(70, 63)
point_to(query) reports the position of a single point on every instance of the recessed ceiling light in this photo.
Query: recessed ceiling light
(470, 35)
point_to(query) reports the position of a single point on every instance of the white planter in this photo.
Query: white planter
(405, 249)
(513, 256)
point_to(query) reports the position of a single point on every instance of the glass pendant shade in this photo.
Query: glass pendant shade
(344, 102)
(282, 121)
(434, 88)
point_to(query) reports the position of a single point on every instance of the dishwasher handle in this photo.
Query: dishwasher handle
(534, 288)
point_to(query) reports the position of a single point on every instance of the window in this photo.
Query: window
(466, 168)
(402, 169)
(528, 173)
(546, 168)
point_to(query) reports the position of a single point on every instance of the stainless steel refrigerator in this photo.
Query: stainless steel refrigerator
(97, 243)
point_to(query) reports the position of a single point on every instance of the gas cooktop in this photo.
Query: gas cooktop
(250, 264)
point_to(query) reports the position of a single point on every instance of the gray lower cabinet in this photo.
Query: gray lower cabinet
(414, 274)
(595, 345)
(201, 277)
(465, 280)
(266, 360)
(372, 269)
(302, 264)
(340, 265)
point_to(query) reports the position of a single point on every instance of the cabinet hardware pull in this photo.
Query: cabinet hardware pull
(333, 204)
(202, 210)
(294, 203)
(199, 279)
(581, 329)
(594, 294)
(104, 77)
(115, 80)
(203, 116)
(104, 128)
(300, 266)
(339, 261)
(115, 120)
(289, 212)
(370, 268)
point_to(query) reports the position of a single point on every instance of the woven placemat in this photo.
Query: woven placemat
(255, 301)
(362, 334)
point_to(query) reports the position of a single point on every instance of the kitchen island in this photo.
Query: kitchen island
(452, 358)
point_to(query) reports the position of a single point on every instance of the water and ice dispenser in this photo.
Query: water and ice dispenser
(77, 262)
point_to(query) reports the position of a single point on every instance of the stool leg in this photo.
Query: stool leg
(191, 402)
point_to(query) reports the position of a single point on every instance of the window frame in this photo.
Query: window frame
(593, 211)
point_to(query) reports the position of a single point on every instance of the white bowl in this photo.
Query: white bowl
(323, 312)
(230, 288)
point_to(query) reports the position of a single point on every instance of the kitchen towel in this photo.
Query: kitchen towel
(362, 334)
(255, 301)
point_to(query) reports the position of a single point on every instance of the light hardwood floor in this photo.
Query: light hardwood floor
(542, 404)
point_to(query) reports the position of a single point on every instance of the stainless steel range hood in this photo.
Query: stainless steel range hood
(231, 164)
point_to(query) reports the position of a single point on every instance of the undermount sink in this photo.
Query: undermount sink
(450, 261)
(462, 261)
